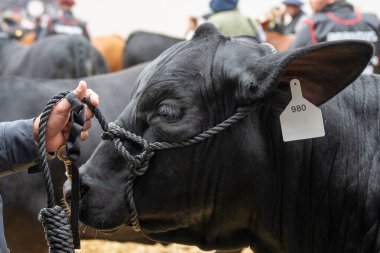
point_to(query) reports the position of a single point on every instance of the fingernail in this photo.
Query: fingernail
(81, 84)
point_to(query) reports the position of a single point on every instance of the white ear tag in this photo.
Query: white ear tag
(301, 119)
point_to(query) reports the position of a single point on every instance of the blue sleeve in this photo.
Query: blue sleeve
(17, 147)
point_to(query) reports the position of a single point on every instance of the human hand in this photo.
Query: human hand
(58, 126)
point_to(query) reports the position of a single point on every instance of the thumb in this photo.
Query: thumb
(81, 89)
(64, 106)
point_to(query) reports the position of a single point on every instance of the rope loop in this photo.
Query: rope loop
(118, 132)
(138, 164)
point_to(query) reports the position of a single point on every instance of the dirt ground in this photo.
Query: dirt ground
(102, 246)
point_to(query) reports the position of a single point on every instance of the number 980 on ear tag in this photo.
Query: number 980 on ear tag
(300, 119)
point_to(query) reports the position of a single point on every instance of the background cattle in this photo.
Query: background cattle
(24, 194)
(146, 46)
(111, 47)
(56, 57)
(245, 185)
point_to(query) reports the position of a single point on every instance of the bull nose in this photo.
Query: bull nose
(67, 191)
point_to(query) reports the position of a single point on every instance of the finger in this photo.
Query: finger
(89, 113)
(94, 98)
(66, 135)
(84, 135)
(81, 90)
(67, 127)
(63, 107)
(87, 125)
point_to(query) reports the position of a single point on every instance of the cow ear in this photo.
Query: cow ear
(323, 70)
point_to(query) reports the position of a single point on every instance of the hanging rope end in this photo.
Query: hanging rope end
(57, 231)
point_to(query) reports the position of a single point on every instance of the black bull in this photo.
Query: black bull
(145, 46)
(56, 57)
(245, 186)
(24, 194)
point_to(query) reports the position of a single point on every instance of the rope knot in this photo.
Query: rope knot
(107, 136)
(57, 230)
(138, 164)
(143, 162)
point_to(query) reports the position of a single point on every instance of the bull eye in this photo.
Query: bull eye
(169, 113)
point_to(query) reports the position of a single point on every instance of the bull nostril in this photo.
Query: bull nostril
(68, 193)
(67, 190)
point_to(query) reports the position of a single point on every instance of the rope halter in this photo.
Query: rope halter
(138, 164)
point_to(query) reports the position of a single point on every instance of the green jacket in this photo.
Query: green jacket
(233, 22)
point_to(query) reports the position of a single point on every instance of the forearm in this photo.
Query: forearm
(18, 150)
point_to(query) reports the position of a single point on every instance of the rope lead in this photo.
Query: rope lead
(60, 236)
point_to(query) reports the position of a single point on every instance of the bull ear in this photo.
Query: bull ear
(323, 69)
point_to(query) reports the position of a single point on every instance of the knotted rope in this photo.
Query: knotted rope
(60, 236)
(58, 232)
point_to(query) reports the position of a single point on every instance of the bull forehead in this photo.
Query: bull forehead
(193, 61)
(184, 59)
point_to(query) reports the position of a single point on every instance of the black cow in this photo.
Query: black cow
(245, 186)
(146, 46)
(56, 57)
(24, 194)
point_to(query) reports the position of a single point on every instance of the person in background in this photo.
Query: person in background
(18, 148)
(9, 20)
(337, 20)
(66, 22)
(278, 21)
(293, 8)
(231, 22)
(192, 25)
(10, 25)
(37, 13)
(273, 20)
